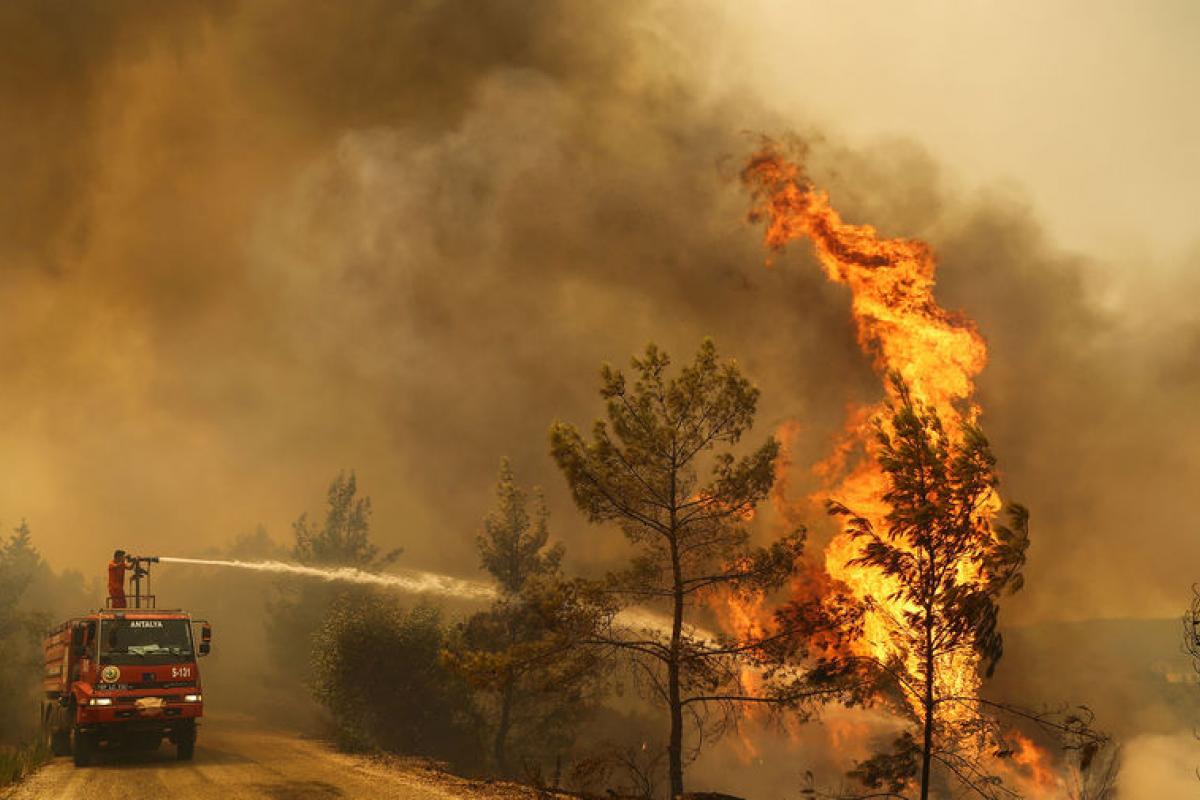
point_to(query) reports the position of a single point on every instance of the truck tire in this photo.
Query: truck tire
(60, 742)
(185, 748)
(85, 749)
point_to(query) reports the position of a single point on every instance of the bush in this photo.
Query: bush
(377, 669)
(17, 762)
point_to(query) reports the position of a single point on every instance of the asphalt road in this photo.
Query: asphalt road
(236, 759)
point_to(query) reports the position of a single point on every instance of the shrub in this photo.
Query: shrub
(377, 670)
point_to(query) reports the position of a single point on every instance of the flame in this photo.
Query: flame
(903, 329)
(1034, 766)
(787, 433)
(743, 614)
(901, 326)
(899, 322)
(849, 734)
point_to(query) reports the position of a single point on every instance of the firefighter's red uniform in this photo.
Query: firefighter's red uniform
(116, 582)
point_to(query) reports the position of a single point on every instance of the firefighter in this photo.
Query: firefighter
(116, 578)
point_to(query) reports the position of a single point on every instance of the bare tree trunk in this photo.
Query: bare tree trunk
(675, 746)
(927, 704)
(500, 745)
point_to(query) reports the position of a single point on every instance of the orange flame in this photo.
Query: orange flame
(900, 325)
(899, 322)
(1033, 766)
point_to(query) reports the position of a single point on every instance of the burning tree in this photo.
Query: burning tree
(943, 565)
(642, 469)
(919, 552)
(520, 654)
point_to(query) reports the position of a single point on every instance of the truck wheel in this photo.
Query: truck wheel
(185, 748)
(54, 739)
(60, 742)
(85, 749)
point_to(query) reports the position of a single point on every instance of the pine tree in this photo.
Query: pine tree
(341, 539)
(20, 630)
(661, 467)
(521, 655)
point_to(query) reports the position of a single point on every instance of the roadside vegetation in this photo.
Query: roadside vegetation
(533, 685)
(377, 670)
(18, 761)
(30, 592)
(613, 685)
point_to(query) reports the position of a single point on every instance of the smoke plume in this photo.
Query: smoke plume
(245, 245)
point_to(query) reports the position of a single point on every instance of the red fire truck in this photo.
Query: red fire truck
(124, 677)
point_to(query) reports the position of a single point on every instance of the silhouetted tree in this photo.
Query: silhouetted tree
(949, 565)
(20, 633)
(520, 654)
(642, 469)
(341, 539)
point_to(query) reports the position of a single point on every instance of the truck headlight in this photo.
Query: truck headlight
(100, 701)
(192, 698)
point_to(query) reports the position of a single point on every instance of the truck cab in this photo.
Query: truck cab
(123, 677)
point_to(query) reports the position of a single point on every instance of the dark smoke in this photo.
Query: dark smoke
(244, 245)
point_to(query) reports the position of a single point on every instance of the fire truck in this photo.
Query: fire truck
(124, 677)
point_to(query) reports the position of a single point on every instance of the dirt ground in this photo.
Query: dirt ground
(238, 759)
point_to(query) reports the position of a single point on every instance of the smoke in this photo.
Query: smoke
(279, 258)
(245, 245)
(1157, 766)
(245, 252)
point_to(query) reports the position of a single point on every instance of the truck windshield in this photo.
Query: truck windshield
(145, 641)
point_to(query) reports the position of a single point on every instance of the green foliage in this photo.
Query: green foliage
(661, 469)
(20, 633)
(344, 537)
(533, 684)
(512, 546)
(377, 670)
(19, 561)
(341, 539)
(650, 469)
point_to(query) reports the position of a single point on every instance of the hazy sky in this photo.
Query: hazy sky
(1088, 107)
(244, 245)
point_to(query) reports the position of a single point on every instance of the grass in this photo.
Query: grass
(19, 761)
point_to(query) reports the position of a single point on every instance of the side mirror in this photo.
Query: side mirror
(205, 639)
